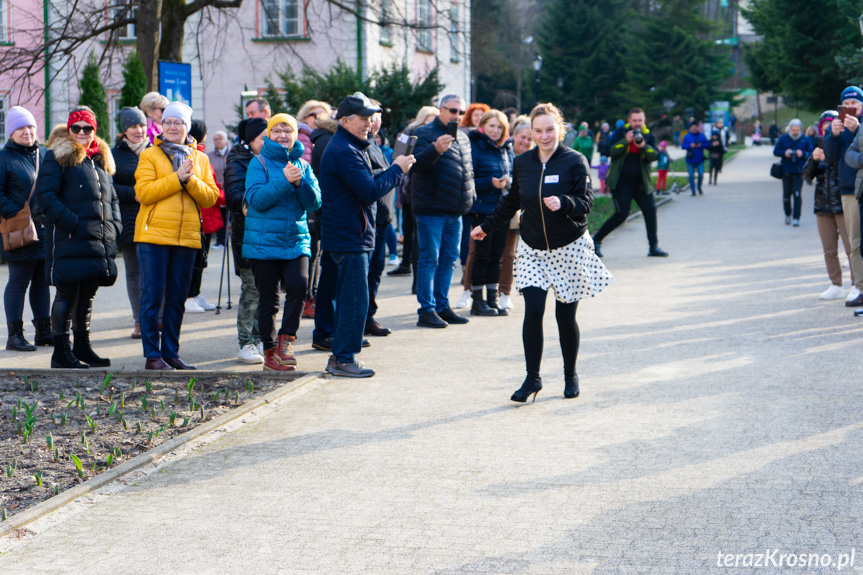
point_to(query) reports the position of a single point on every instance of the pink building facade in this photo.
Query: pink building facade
(19, 20)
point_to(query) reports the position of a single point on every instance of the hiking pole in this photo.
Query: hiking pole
(228, 254)
(222, 272)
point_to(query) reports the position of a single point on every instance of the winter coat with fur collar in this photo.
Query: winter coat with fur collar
(81, 212)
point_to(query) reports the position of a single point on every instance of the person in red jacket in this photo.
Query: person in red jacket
(211, 222)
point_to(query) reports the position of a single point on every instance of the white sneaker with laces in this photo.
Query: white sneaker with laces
(464, 300)
(203, 303)
(249, 354)
(193, 307)
(853, 294)
(833, 292)
(505, 302)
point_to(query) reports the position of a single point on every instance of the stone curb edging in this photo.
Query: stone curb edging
(152, 374)
(66, 497)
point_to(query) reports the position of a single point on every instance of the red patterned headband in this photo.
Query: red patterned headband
(81, 116)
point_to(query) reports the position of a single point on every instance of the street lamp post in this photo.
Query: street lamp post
(537, 66)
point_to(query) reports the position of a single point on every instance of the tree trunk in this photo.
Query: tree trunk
(147, 31)
(173, 30)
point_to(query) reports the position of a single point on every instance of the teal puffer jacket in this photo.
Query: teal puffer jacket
(276, 227)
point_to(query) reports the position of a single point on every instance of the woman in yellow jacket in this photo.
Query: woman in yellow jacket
(173, 182)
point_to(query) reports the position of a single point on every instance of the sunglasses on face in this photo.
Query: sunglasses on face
(455, 111)
(76, 129)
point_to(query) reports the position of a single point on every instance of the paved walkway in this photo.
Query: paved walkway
(720, 413)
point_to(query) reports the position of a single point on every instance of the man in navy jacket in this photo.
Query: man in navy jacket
(349, 193)
(836, 142)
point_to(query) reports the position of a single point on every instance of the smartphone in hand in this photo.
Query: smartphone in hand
(843, 111)
(452, 129)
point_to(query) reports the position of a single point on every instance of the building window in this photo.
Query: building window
(114, 113)
(424, 22)
(280, 18)
(121, 11)
(453, 33)
(386, 14)
(4, 21)
(4, 106)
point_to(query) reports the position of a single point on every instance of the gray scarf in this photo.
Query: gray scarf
(139, 147)
(178, 153)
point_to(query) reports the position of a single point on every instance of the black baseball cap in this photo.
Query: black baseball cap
(356, 103)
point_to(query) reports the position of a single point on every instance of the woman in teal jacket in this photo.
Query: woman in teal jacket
(280, 190)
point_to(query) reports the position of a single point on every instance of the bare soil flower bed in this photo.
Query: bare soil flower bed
(57, 431)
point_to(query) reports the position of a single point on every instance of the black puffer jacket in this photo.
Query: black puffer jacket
(126, 161)
(565, 175)
(828, 198)
(441, 184)
(320, 138)
(387, 204)
(82, 214)
(17, 173)
(236, 166)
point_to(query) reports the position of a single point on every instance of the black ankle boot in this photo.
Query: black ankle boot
(63, 357)
(491, 298)
(16, 341)
(84, 351)
(479, 306)
(570, 386)
(532, 384)
(43, 332)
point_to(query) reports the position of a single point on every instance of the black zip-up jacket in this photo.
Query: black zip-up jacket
(17, 172)
(236, 166)
(828, 198)
(565, 175)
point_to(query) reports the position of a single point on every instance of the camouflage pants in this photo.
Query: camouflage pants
(247, 310)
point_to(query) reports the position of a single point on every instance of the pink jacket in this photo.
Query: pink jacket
(305, 139)
(153, 130)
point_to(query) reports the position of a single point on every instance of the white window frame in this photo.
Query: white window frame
(425, 38)
(283, 22)
(5, 22)
(386, 14)
(114, 112)
(454, 32)
(128, 32)
(4, 107)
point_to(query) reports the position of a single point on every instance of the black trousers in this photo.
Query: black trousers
(487, 255)
(623, 196)
(22, 275)
(293, 277)
(315, 261)
(200, 265)
(408, 230)
(376, 269)
(73, 301)
(532, 335)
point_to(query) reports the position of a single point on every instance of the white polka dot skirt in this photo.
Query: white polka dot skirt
(574, 271)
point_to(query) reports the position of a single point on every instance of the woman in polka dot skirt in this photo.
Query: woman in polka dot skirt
(551, 184)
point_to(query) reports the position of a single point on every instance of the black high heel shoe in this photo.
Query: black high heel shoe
(570, 386)
(531, 385)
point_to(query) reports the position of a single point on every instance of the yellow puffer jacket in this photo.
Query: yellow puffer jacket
(170, 211)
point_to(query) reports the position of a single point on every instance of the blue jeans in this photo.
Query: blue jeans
(691, 168)
(439, 246)
(325, 299)
(166, 273)
(352, 303)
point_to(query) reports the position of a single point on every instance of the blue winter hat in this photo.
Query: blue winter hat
(603, 159)
(852, 93)
(620, 124)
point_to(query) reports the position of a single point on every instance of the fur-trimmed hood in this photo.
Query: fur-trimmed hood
(328, 124)
(70, 153)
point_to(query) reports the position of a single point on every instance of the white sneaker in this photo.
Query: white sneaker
(193, 307)
(260, 348)
(465, 300)
(853, 294)
(394, 260)
(505, 302)
(249, 354)
(203, 303)
(833, 292)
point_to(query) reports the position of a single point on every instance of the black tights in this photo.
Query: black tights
(73, 302)
(567, 327)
